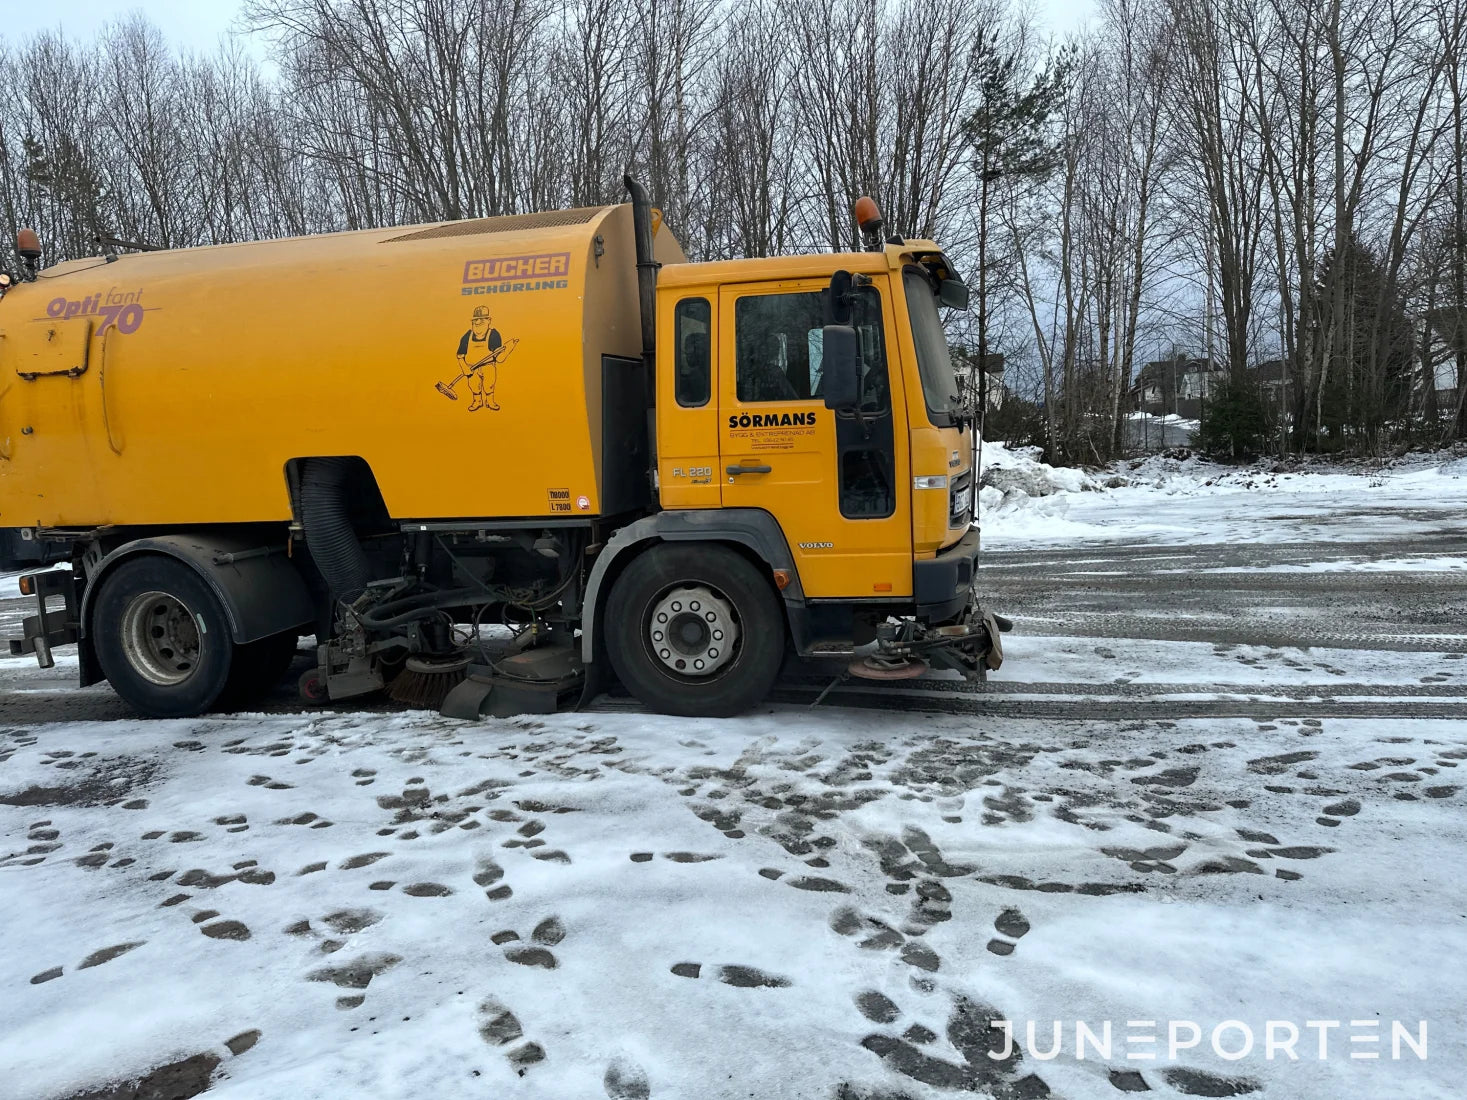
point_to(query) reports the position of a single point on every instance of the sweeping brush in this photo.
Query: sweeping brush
(426, 681)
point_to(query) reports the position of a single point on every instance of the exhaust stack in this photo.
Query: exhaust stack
(646, 277)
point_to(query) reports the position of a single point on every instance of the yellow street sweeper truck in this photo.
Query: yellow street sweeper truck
(405, 440)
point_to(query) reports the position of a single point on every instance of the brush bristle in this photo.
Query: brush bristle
(425, 690)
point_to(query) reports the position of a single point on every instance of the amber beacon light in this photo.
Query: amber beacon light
(868, 218)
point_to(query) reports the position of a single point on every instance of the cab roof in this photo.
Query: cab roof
(892, 258)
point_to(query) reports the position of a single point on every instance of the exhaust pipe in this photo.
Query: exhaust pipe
(647, 306)
(646, 280)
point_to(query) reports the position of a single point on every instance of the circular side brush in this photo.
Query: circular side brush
(877, 666)
(426, 681)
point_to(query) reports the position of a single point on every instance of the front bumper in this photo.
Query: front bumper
(942, 586)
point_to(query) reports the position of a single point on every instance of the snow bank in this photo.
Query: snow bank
(1020, 491)
(1025, 500)
(1017, 472)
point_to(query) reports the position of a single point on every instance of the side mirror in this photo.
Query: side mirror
(838, 299)
(953, 294)
(840, 380)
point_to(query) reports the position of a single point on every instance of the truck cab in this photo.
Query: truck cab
(875, 499)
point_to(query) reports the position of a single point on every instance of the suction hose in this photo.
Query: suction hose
(330, 537)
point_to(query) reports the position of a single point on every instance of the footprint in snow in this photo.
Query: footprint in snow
(365, 860)
(488, 875)
(968, 1032)
(877, 1006)
(877, 935)
(932, 905)
(1128, 1080)
(220, 929)
(546, 934)
(233, 823)
(1010, 923)
(744, 977)
(1195, 1082)
(107, 954)
(355, 974)
(499, 1027)
(625, 1080)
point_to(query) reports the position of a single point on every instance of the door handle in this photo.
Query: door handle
(734, 471)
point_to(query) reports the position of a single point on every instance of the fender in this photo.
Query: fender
(261, 591)
(751, 527)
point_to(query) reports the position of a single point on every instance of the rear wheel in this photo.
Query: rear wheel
(695, 631)
(161, 638)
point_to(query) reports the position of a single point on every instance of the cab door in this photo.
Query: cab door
(836, 485)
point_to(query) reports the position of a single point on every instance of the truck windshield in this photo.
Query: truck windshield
(939, 386)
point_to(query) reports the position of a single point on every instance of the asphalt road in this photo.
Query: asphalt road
(1242, 594)
(1228, 595)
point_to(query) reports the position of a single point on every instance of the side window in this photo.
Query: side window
(867, 469)
(870, 335)
(777, 344)
(691, 322)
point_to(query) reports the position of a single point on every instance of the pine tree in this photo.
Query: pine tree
(1366, 381)
(1010, 139)
(1234, 420)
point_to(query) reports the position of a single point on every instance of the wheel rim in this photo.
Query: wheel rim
(161, 638)
(692, 630)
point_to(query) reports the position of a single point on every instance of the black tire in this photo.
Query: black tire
(258, 669)
(746, 677)
(130, 651)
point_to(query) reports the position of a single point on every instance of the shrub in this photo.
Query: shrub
(1234, 421)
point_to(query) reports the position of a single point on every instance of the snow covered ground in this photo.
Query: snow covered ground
(1171, 501)
(775, 906)
(1199, 833)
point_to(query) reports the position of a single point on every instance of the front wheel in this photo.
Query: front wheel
(161, 638)
(695, 631)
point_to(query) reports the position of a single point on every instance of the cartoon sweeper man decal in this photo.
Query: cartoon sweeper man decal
(480, 351)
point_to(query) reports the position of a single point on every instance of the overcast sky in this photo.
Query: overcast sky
(197, 24)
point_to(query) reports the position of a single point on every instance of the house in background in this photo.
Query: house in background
(1274, 379)
(965, 364)
(1180, 385)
